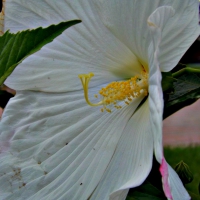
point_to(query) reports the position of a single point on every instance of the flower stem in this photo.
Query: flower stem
(184, 70)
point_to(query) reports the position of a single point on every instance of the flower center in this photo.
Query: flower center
(116, 92)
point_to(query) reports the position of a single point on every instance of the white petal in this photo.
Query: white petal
(132, 160)
(83, 48)
(112, 37)
(155, 91)
(155, 22)
(156, 25)
(172, 184)
(127, 21)
(36, 163)
(179, 33)
(177, 189)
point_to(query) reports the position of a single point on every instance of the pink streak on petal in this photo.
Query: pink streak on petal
(164, 172)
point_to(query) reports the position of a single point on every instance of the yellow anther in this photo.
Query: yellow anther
(116, 91)
(145, 92)
(129, 98)
(108, 110)
(126, 102)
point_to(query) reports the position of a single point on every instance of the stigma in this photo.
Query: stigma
(117, 91)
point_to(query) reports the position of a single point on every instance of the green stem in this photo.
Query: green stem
(187, 69)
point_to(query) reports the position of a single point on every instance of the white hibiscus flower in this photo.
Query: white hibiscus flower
(53, 144)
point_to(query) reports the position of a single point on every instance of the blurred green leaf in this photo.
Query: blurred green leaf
(194, 196)
(199, 188)
(14, 48)
(189, 155)
(186, 90)
(145, 192)
(167, 82)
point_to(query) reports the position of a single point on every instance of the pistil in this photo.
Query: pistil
(116, 92)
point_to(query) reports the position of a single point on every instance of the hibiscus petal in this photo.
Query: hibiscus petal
(179, 33)
(174, 190)
(156, 22)
(177, 186)
(56, 146)
(131, 28)
(132, 161)
(128, 38)
(87, 47)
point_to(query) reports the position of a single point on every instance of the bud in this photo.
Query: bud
(182, 169)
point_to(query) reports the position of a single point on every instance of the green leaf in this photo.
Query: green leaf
(199, 188)
(145, 192)
(15, 48)
(194, 196)
(186, 90)
(167, 82)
